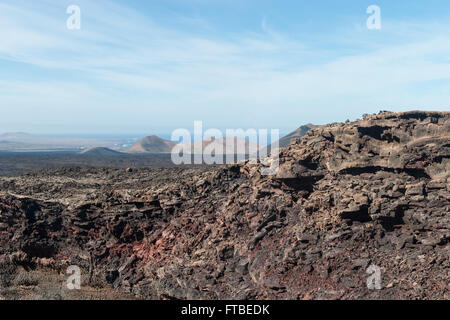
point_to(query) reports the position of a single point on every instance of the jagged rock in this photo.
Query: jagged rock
(374, 191)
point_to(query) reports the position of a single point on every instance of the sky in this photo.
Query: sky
(155, 66)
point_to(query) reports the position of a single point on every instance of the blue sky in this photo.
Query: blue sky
(154, 66)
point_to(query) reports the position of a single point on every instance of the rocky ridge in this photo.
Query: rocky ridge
(374, 192)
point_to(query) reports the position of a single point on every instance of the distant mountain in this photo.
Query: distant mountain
(151, 144)
(24, 142)
(300, 132)
(286, 140)
(100, 151)
(14, 136)
(224, 146)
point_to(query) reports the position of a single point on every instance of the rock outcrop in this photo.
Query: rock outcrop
(368, 195)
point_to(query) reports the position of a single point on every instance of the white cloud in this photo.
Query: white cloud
(123, 55)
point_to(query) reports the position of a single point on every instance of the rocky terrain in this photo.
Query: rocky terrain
(347, 196)
(15, 164)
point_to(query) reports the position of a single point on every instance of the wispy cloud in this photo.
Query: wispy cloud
(124, 63)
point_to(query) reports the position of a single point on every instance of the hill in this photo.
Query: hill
(286, 140)
(100, 151)
(151, 144)
(300, 132)
(14, 136)
(231, 145)
(24, 142)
